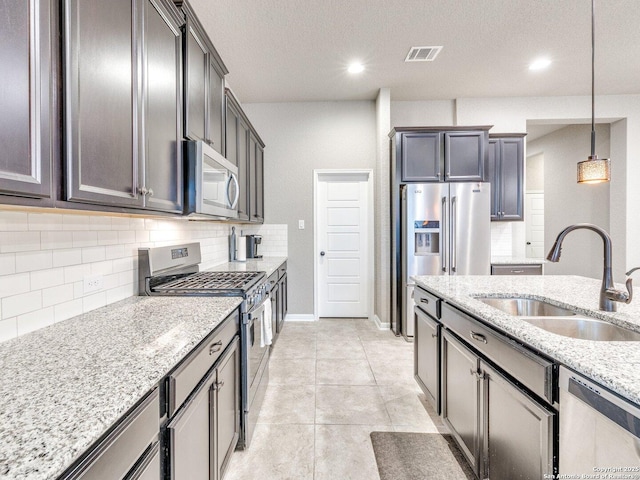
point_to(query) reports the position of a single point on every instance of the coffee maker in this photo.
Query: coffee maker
(252, 246)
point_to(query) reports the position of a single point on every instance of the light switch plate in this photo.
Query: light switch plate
(300, 224)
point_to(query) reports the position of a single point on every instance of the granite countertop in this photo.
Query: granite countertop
(509, 260)
(63, 386)
(615, 365)
(264, 264)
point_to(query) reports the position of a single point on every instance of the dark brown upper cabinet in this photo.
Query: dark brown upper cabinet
(440, 154)
(124, 119)
(505, 171)
(204, 73)
(29, 141)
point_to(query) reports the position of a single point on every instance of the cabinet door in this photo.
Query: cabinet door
(162, 92)
(461, 396)
(195, 82)
(189, 435)
(519, 432)
(231, 133)
(276, 305)
(215, 108)
(464, 154)
(102, 122)
(27, 113)
(492, 171)
(512, 178)
(284, 294)
(243, 170)
(421, 160)
(227, 403)
(427, 357)
(258, 215)
(149, 467)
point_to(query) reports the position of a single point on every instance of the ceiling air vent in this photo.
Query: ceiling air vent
(422, 54)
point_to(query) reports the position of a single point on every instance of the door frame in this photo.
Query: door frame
(369, 255)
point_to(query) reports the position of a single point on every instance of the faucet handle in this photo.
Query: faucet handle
(619, 295)
(629, 284)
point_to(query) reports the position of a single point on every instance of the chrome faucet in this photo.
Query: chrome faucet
(608, 294)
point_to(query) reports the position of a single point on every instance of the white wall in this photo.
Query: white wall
(299, 138)
(567, 202)
(535, 170)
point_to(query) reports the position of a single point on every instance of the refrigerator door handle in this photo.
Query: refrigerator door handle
(454, 226)
(443, 229)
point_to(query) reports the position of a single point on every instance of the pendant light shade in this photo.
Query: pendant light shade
(594, 169)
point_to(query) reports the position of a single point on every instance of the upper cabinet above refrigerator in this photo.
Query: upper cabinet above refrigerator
(441, 154)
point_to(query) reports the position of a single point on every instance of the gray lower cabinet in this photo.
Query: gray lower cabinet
(427, 356)
(503, 430)
(28, 113)
(123, 125)
(517, 269)
(130, 451)
(505, 171)
(204, 433)
(518, 431)
(461, 410)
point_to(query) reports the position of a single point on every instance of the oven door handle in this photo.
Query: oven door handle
(257, 312)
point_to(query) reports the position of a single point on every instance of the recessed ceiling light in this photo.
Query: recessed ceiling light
(540, 64)
(356, 68)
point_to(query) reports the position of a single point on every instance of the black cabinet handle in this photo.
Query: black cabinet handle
(215, 347)
(478, 336)
(424, 300)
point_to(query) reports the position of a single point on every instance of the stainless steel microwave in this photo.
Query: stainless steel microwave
(211, 183)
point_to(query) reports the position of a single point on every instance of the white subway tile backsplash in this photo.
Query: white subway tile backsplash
(63, 311)
(63, 258)
(19, 241)
(29, 261)
(85, 239)
(93, 254)
(35, 320)
(14, 284)
(47, 278)
(44, 258)
(53, 240)
(8, 329)
(7, 263)
(57, 295)
(20, 304)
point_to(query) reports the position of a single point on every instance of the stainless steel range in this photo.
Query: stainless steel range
(175, 270)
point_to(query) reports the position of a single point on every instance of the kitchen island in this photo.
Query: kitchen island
(615, 365)
(64, 386)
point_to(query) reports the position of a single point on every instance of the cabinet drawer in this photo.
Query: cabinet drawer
(533, 371)
(516, 269)
(184, 379)
(427, 302)
(120, 450)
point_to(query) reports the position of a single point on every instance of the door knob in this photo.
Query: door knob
(322, 253)
(528, 243)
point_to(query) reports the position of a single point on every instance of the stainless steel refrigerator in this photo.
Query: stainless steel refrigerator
(446, 230)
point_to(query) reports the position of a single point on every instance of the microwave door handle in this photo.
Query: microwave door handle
(234, 202)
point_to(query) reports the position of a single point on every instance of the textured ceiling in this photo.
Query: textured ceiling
(298, 50)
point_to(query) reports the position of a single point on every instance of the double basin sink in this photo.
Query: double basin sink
(561, 321)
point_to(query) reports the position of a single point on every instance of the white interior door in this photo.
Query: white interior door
(342, 245)
(534, 225)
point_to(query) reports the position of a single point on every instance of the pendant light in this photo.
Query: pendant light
(594, 169)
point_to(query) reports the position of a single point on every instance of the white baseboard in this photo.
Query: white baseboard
(300, 317)
(380, 324)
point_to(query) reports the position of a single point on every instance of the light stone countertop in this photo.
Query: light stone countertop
(65, 385)
(264, 264)
(508, 260)
(616, 365)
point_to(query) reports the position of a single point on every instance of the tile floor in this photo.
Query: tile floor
(331, 383)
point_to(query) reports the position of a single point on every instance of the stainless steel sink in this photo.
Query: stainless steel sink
(584, 329)
(525, 307)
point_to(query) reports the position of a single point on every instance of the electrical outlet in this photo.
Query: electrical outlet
(93, 284)
(300, 224)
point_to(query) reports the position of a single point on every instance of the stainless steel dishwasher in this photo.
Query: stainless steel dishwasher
(599, 431)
